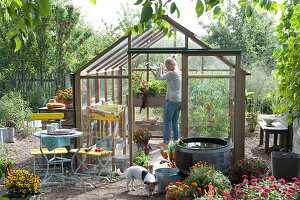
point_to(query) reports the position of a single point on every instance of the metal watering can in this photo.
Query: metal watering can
(7, 133)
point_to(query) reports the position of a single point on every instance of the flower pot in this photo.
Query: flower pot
(69, 104)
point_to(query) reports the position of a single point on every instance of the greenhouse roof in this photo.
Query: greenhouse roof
(116, 56)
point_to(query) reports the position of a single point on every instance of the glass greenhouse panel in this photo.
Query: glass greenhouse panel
(207, 65)
(208, 108)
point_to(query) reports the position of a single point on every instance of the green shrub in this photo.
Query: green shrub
(13, 107)
(204, 174)
(37, 98)
(141, 159)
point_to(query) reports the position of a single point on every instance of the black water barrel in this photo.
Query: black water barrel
(220, 157)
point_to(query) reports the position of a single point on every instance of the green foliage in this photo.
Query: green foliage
(24, 15)
(13, 107)
(288, 61)
(153, 11)
(256, 38)
(37, 98)
(141, 159)
(151, 88)
(6, 152)
(208, 107)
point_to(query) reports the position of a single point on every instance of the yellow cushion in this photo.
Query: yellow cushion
(91, 152)
(61, 150)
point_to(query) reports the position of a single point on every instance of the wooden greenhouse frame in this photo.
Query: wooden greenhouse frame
(127, 48)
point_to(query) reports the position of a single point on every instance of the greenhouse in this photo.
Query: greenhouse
(213, 86)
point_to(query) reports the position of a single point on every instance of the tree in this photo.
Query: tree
(256, 38)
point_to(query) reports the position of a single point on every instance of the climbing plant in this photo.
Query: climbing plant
(288, 60)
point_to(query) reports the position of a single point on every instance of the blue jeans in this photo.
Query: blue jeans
(172, 111)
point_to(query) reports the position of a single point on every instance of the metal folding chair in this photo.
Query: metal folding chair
(97, 139)
(41, 155)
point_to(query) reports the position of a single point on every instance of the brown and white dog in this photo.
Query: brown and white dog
(142, 174)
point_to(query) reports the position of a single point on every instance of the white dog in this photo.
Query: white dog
(142, 174)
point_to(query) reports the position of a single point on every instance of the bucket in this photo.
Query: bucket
(121, 162)
(165, 176)
(8, 132)
(285, 164)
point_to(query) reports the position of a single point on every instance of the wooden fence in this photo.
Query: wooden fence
(24, 83)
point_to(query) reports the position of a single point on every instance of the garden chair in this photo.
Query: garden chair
(41, 154)
(100, 149)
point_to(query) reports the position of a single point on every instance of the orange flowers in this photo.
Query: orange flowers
(65, 95)
(179, 190)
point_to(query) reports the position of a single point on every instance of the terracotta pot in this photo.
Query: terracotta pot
(168, 196)
(69, 104)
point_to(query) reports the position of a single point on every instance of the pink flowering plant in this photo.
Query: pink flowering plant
(267, 188)
(249, 167)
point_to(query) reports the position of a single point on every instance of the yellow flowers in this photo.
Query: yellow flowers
(22, 184)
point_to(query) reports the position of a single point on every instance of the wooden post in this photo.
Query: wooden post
(130, 103)
(113, 87)
(184, 92)
(184, 97)
(239, 111)
(78, 103)
(120, 88)
(148, 82)
(105, 88)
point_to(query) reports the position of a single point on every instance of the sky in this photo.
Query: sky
(107, 10)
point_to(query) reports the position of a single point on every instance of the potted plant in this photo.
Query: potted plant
(202, 174)
(248, 167)
(65, 97)
(179, 191)
(22, 184)
(141, 159)
(141, 138)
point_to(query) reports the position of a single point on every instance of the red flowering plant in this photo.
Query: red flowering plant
(248, 167)
(141, 137)
(267, 188)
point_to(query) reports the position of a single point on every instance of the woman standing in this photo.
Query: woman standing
(173, 97)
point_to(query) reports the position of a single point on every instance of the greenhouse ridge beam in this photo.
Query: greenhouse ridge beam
(210, 52)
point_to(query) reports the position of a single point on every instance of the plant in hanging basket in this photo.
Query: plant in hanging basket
(147, 89)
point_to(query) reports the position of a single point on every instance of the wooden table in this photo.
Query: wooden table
(67, 121)
(276, 128)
